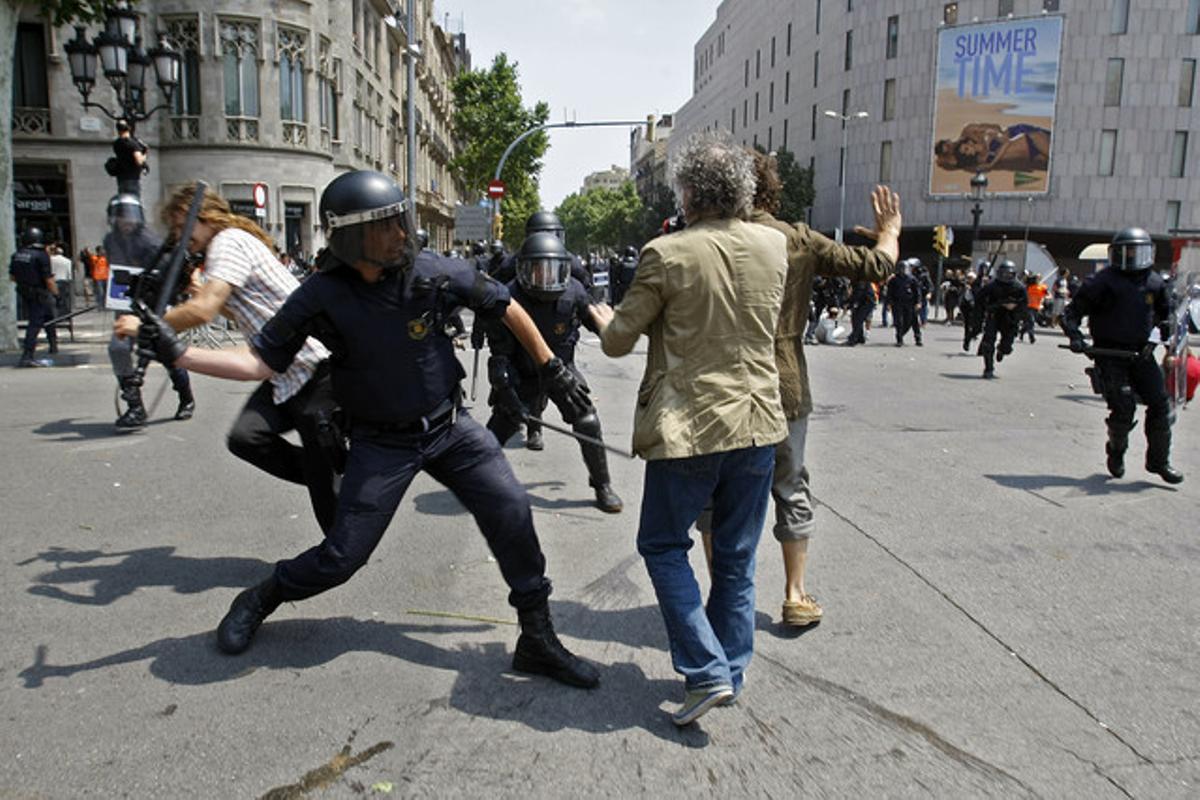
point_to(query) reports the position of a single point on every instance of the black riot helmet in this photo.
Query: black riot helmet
(365, 218)
(479, 248)
(548, 221)
(32, 237)
(631, 252)
(125, 211)
(1006, 271)
(422, 238)
(1131, 250)
(543, 265)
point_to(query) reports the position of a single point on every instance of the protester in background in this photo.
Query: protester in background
(61, 266)
(100, 276)
(1035, 292)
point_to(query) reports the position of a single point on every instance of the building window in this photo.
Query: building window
(787, 48)
(817, 23)
(1120, 17)
(849, 50)
(1108, 151)
(1049, 5)
(772, 52)
(1006, 8)
(816, 67)
(893, 36)
(1174, 209)
(356, 21)
(184, 35)
(787, 84)
(1113, 79)
(771, 99)
(327, 94)
(770, 138)
(733, 120)
(814, 124)
(1187, 83)
(293, 44)
(785, 127)
(239, 51)
(1193, 17)
(950, 13)
(746, 82)
(1179, 146)
(845, 103)
(30, 88)
(885, 162)
(841, 166)
(756, 106)
(889, 99)
(757, 64)
(745, 112)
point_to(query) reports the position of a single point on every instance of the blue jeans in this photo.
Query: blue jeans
(709, 646)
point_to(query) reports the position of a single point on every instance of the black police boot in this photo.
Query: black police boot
(135, 415)
(1114, 449)
(27, 360)
(989, 368)
(248, 611)
(183, 387)
(533, 438)
(540, 652)
(1158, 451)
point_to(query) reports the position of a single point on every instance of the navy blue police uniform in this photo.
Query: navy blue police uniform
(29, 269)
(862, 306)
(397, 378)
(1002, 303)
(904, 293)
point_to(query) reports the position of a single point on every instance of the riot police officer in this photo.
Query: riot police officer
(624, 274)
(130, 243)
(1002, 304)
(379, 305)
(904, 296)
(558, 304)
(972, 314)
(862, 306)
(543, 222)
(1124, 303)
(30, 270)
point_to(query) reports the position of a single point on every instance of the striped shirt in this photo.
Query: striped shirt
(260, 285)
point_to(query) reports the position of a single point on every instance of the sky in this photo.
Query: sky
(590, 60)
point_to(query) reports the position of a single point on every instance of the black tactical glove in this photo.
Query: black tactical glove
(566, 390)
(156, 339)
(1078, 345)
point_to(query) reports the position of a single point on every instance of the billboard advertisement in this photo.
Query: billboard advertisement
(994, 95)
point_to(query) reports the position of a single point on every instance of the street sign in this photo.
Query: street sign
(496, 189)
(260, 195)
(472, 223)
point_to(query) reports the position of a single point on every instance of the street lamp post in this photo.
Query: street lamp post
(979, 183)
(845, 120)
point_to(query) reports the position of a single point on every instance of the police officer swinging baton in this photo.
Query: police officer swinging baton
(576, 435)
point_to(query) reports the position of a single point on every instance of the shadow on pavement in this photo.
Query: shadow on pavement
(443, 503)
(958, 376)
(122, 573)
(1097, 484)
(484, 685)
(74, 430)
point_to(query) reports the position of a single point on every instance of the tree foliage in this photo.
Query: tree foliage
(798, 193)
(659, 203)
(489, 115)
(56, 12)
(603, 220)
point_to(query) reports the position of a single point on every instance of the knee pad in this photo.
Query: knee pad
(588, 425)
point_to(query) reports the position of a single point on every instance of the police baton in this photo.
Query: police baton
(73, 314)
(576, 435)
(1104, 352)
(475, 374)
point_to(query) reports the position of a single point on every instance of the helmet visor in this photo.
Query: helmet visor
(1131, 257)
(544, 274)
(380, 242)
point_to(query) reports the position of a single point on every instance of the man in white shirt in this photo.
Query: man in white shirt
(60, 266)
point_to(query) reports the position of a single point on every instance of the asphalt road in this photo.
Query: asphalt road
(1001, 618)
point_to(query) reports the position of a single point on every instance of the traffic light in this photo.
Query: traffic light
(941, 242)
(498, 226)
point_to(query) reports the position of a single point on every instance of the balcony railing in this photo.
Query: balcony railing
(241, 129)
(30, 121)
(185, 128)
(295, 133)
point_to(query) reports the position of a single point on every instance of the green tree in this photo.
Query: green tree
(659, 203)
(489, 115)
(602, 219)
(55, 12)
(797, 182)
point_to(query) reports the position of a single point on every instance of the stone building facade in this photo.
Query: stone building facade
(769, 69)
(287, 94)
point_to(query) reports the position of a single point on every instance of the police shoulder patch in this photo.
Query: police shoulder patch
(560, 328)
(417, 329)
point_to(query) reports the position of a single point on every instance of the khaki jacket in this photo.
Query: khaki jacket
(811, 254)
(708, 297)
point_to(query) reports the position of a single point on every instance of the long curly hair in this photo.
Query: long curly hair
(714, 177)
(768, 189)
(214, 211)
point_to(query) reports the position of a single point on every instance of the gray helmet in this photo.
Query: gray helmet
(1131, 250)
(422, 238)
(543, 265)
(32, 237)
(364, 217)
(1006, 271)
(545, 221)
(125, 208)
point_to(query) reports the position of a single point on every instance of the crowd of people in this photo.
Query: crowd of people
(358, 357)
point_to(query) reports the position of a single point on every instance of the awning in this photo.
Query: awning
(1094, 252)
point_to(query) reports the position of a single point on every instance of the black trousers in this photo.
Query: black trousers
(1004, 323)
(257, 437)
(858, 321)
(1125, 382)
(462, 456)
(905, 317)
(39, 309)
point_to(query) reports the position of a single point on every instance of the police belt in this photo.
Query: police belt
(441, 415)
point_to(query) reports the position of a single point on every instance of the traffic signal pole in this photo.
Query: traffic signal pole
(515, 142)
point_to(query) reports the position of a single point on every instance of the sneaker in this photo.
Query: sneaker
(699, 702)
(804, 611)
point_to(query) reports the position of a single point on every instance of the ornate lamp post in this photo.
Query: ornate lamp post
(979, 184)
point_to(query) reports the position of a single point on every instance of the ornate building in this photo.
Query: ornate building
(286, 94)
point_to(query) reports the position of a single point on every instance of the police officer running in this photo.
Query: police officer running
(380, 307)
(904, 296)
(30, 270)
(1002, 304)
(558, 304)
(1123, 303)
(543, 222)
(130, 243)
